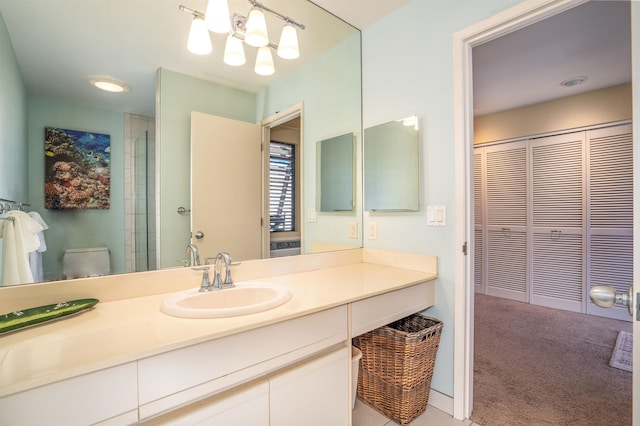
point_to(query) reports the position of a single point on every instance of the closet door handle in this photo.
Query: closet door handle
(506, 232)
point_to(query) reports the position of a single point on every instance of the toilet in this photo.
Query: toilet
(85, 262)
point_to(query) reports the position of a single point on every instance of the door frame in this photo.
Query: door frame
(517, 17)
(280, 117)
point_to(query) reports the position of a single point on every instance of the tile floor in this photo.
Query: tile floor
(363, 415)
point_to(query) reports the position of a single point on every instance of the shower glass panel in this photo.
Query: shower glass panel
(144, 204)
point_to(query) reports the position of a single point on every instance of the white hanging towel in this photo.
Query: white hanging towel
(35, 257)
(19, 239)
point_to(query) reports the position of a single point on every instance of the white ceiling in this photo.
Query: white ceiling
(60, 43)
(361, 13)
(131, 39)
(527, 66)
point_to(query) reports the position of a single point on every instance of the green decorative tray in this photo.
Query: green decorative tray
(34, 316)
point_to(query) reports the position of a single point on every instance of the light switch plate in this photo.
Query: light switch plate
(436, 216)
(373, 231)
(311, 215)
(353, 229)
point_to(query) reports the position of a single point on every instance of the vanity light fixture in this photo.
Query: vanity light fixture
(217, 16)
(199, 41)
(250, 30)
(256, 34)
(288, 46)
(234, 51)
(109, 85)
(264, 61)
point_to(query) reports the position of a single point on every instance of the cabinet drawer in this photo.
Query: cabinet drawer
(185, 375)
(315, 393)
(374, 312)
(80, 401)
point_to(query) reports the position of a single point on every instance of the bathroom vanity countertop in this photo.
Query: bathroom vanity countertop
(120, 331)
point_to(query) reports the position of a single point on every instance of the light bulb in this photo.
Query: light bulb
(264, 61)
(217, 16)
(256, 34)
(234, 51)
(288, 46)
(199, 41)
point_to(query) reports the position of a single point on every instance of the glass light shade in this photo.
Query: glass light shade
(216, 16)
(109, 85)
(234, 51)
(256, 34)
(264, 61)
(199, 41)
(288, 46)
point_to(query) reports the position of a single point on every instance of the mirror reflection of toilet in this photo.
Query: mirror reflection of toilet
(86, 262)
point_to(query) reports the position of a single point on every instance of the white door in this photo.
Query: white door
(506, 218)
(226, 205)
(557, 211)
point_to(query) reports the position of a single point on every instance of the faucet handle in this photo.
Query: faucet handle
(205, 285)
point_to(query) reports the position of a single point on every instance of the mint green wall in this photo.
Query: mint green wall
(415, 77)
(77, 228)
(13, 124)
(330, 89)
(180, 95)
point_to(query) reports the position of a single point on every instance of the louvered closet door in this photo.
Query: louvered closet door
(506, 218)
(610, 221)
(557, 206)
(478, 249)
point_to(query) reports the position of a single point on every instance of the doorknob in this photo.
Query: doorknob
(199, 235)
(605, 296)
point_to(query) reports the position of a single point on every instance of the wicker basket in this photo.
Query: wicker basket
(397, 366)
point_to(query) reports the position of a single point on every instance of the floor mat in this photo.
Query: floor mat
(622, 356)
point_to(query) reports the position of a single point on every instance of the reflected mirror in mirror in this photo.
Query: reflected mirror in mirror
(391, 164)
(50, 48)
(336, 173)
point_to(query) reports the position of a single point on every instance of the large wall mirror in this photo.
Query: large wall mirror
(391, 166)
(336, 173)
(324, 82)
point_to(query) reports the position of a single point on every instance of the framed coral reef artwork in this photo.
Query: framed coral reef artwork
(77, 169)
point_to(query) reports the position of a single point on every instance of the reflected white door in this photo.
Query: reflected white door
(226, 203)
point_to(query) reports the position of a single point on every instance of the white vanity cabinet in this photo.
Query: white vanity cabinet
(373, 312)
(184, 376)
(106, 397)
(314, 393)
(244, 405)
(287, 367)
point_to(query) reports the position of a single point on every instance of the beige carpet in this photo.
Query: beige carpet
(541, 366)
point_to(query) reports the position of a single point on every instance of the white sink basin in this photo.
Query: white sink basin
(245, 298)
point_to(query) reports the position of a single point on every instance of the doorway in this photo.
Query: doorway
(518, 17)
(283, 151)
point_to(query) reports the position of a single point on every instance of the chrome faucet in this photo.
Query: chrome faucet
(194, 256)
(222, 257)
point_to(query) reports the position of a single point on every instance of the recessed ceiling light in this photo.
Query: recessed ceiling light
(573, 81)
(109, 85)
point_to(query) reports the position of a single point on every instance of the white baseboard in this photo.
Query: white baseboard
(441, 401)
